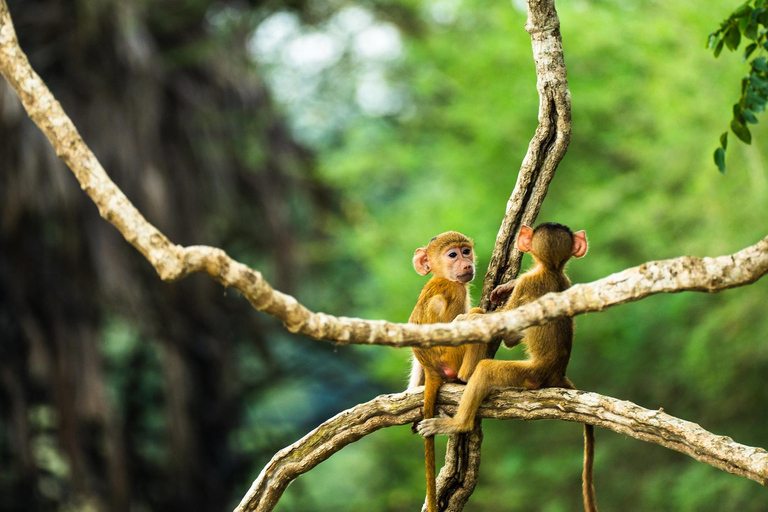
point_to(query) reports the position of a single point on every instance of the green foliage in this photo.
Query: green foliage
(645, 101)
(750, 20)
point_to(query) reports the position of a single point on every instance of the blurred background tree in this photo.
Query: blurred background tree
(321, 142)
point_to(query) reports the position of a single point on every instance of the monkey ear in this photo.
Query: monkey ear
(524, 238)
(579, 244)
(421, 261)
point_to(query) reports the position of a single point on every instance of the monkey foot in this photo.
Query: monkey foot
(434, 426)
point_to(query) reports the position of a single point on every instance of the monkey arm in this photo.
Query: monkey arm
(437, 305)
(502, 292)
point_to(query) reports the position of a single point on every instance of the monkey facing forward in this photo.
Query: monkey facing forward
(451, 260)
(548, 346)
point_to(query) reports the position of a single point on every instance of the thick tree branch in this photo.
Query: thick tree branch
(174, 262)
(554, 403)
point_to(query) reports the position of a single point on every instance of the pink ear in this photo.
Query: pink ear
(524, 238)
(579, 244)
(421, 261)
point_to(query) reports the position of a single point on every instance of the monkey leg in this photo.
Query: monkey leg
(512, 340)
(473, 354)
(489, 374)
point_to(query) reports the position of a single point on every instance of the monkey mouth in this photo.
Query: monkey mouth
(465, 278)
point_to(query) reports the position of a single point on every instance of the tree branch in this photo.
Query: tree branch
(553, 403)
(173, 262)
(546, 149)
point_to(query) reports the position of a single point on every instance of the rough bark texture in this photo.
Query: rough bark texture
(546, 149)
(554, 403)
(173, 262)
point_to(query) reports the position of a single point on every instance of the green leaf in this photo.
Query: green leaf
(755, 100)
(724, 140)
(742, 11)
(732, 38)
(737, 116)
(719, 47)
(758, 82)
(749, 49)
(741, 131)
(744, 23)
(749, 116)
(720, 160)
(751, 30)
(760, 64)
(712, 39)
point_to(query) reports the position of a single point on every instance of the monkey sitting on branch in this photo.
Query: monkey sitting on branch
(451, 260)
(548, 346)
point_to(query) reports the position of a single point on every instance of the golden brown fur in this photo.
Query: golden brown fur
(451, 260)
(548, 346)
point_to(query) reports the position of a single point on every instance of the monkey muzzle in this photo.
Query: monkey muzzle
(465, 278)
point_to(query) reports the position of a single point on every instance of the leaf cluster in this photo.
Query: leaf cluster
(749, 21)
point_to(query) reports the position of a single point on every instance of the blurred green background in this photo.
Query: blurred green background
(322, 142)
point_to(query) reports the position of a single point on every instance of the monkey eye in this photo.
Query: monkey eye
(466, 251)
(452, 254)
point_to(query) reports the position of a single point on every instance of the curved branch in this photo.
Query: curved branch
(173, 262)
(553, 403)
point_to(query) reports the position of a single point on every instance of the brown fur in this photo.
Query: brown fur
(442, 299)
(548, 346)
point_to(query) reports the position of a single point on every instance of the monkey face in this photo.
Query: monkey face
(459, 263)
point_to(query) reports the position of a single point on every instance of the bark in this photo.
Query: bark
(620, 416)
(546, 149)
(173, 262)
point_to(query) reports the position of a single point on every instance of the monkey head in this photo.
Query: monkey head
(552, 244)
(449, 256)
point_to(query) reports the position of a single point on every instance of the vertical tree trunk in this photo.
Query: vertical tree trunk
(458, 477)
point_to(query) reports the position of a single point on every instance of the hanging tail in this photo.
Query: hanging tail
(587, 478)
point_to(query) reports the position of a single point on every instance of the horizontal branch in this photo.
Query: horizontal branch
(173, 262)
(554, 403)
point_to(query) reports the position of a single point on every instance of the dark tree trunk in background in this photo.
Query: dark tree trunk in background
(183, 125)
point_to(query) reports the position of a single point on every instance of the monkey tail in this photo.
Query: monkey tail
(587, 478)
(429, 458)
(431, 386)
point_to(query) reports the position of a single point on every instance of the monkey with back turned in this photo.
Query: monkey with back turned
(451, 259)
(548, 346)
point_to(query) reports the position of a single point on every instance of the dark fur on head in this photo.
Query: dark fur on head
(451, 238)
(555, 248)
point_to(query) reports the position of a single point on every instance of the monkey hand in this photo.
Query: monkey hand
(512, 340)
(502, 292)
(468, 316)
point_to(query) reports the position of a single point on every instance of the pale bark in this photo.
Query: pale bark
(553, 403)
(173, 262)
(546, 149)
